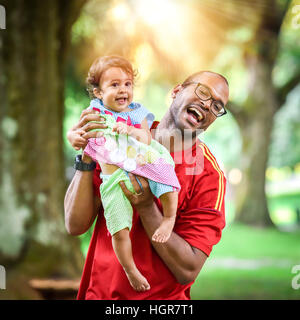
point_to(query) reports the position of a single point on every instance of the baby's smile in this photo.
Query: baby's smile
(122, 100)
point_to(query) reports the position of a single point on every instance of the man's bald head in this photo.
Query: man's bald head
(215, 81)
(211, 73)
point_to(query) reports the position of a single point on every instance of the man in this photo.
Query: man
(171, 267)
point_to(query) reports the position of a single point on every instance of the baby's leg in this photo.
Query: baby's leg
(123, 250)
(118, 214)
(169, 203)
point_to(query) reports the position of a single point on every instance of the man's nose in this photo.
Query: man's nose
(205, 105)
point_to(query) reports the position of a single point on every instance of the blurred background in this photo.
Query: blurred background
(46, 50)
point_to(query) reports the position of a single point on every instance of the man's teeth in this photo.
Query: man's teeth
(197, 112)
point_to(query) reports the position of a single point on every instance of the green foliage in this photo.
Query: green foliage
(288, 58)
(154, 98)
(91, 22)
(284, 148)
(283, 208)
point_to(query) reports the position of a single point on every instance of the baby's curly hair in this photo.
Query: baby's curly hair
(102, 64)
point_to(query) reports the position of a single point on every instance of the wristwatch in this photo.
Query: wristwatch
(82, 166)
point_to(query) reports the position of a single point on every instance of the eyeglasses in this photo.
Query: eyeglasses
(204, 94)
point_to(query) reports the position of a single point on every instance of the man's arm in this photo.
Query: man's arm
(183, 260)
(81, 206)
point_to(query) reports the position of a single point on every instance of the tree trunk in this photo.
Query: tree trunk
(256, 127)
(256, 116)
(33, 48)
(252, 207)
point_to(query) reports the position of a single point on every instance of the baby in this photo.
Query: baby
(126, 146)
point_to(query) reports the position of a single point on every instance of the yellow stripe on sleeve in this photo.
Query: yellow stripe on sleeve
(214, 163)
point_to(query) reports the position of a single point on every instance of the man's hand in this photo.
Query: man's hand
(79, 134)
(75, 138)
(143, 197)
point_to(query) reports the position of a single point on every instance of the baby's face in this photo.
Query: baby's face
(116, 89)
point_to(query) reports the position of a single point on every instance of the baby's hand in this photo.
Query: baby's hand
(122, 128)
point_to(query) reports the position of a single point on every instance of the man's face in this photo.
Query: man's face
(186, 104)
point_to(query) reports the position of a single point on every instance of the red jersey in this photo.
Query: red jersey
(200, 220)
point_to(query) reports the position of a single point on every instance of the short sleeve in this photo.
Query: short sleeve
(141, 113)
(201, 228)
(150, 118)
(96, 104)
(201, 221)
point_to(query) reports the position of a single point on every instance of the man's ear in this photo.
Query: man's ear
(176, 90)
(97, 93)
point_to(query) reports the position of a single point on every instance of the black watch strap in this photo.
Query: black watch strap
(82, 166)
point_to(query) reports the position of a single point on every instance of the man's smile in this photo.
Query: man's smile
(194, 115)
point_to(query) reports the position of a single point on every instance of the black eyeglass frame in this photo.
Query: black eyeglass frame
(210, 98)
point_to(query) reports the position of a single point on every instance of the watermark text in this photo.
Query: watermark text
(129, 154)
(2, 278)
(296, 278)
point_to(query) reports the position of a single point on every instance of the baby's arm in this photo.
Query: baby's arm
(141, 134)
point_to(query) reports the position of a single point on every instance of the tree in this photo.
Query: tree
(255, 115)
(33, 51)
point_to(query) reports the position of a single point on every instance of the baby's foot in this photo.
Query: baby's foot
(163, 232)
(137, 280)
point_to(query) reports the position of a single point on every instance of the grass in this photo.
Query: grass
(267, 283)
(258, 265)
